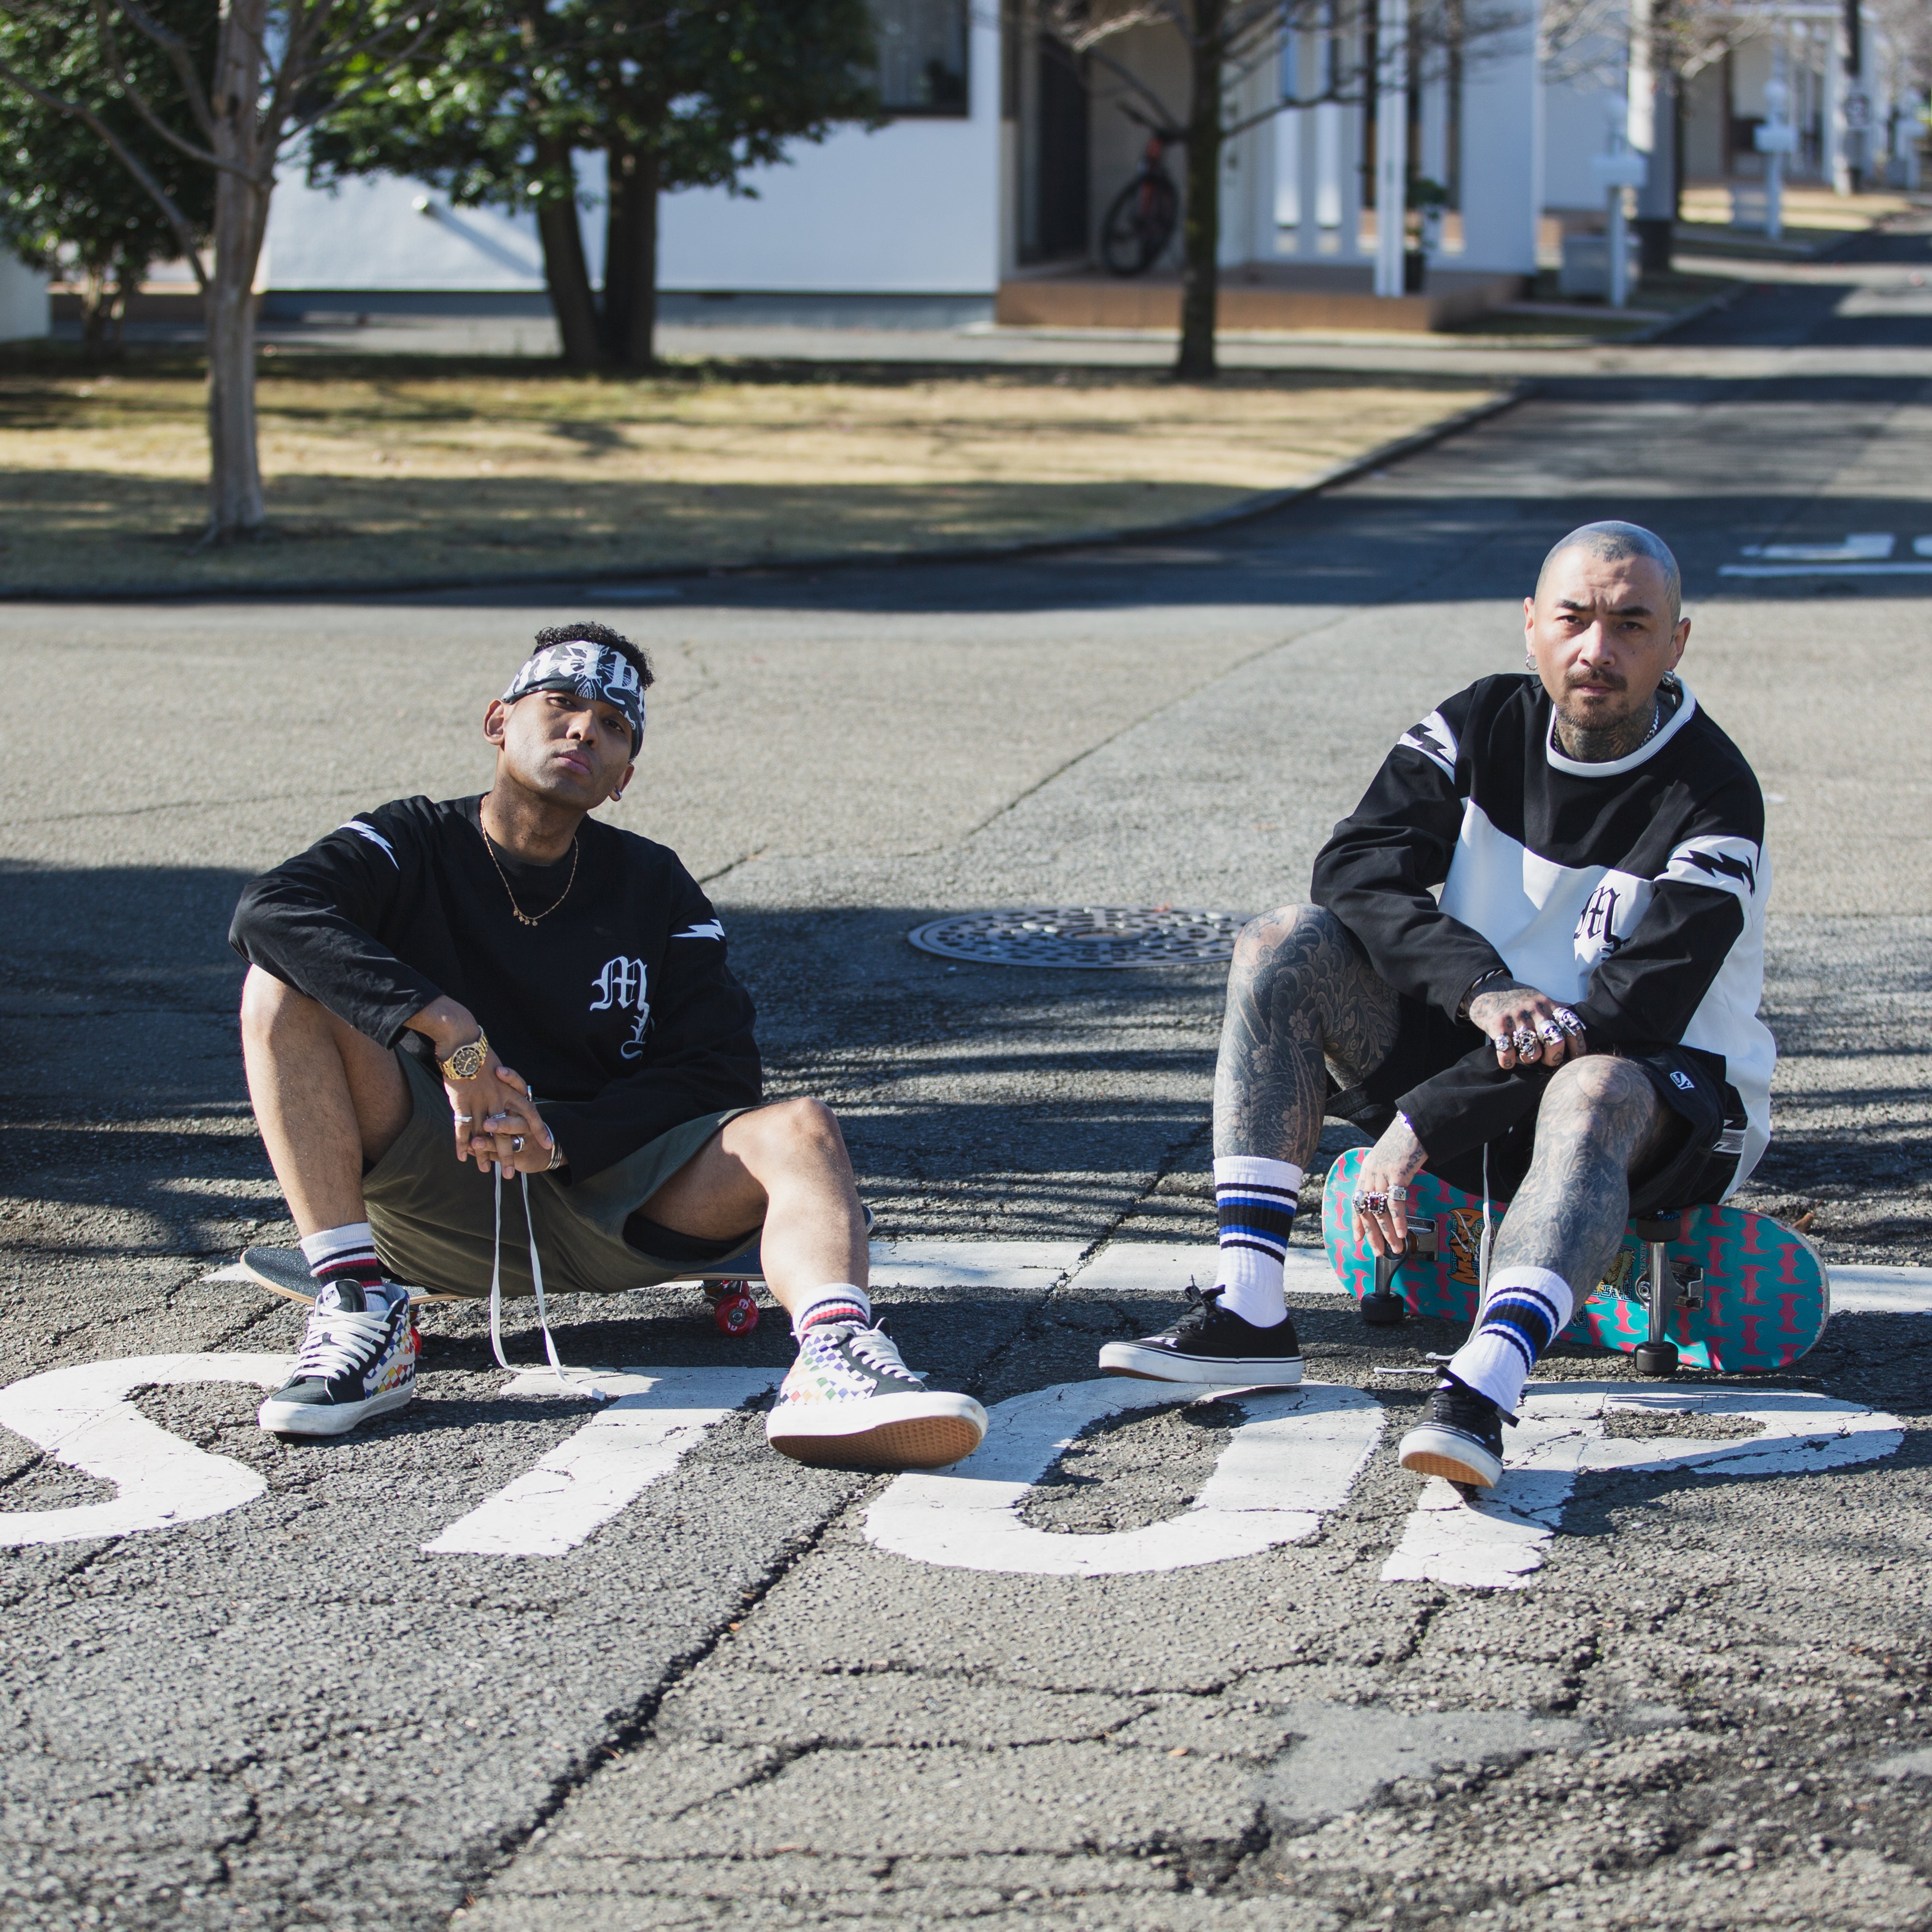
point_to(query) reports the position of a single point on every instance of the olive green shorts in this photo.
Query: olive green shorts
(434, 1218)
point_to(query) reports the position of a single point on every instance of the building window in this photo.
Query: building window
(922, 55)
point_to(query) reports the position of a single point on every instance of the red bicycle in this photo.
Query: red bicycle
(1141, 221)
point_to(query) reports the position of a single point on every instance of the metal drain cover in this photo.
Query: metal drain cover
(1089, 936)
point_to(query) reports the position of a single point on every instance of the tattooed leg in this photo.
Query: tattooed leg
(1600, 1120)
(1298, 996)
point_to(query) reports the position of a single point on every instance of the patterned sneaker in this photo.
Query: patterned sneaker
(358, 1359)
(1210, 1347)
(849, 1401)
(1461, 1441)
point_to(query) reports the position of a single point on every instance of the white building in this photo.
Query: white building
(989, 185)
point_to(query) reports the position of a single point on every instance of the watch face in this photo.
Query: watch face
(466, 1062)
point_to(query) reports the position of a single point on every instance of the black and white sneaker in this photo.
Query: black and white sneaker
(358, 1359)
(1210, 1347)
(1461, 1441)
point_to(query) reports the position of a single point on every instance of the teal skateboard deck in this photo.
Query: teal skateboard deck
(1742, 1293)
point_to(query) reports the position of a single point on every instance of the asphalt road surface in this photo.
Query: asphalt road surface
(1221, 1664)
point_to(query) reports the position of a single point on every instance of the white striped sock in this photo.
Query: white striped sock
(836, 1301)
(1528, 1309)
(1255, 1199)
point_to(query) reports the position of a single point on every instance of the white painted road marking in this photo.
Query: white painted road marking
(1861, 547)
(1166, 1267)
(660, 1415)
(1881, 1291)
(1297, 1457)
(82, 1416)
(1498, 1543)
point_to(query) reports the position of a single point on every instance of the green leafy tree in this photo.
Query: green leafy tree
(674, 97)
(274, 69)
(63, 203)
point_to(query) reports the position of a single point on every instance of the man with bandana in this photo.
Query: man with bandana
(1532, 964)
(444, 996)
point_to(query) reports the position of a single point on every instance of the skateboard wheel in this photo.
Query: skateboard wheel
(1381, 1309)
(1657, 1358)
(734, 1311)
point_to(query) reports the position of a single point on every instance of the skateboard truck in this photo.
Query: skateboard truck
(1657, 1354)
(1383, 1308)
(732, 1306)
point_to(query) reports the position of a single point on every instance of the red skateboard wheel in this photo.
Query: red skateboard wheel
(734, 1311)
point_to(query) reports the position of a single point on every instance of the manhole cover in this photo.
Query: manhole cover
(1102, 936)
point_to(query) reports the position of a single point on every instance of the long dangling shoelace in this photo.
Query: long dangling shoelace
(564, 1381)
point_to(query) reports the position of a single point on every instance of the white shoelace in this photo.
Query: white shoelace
(336, 1340)
(563, 1381)
(879, 1351)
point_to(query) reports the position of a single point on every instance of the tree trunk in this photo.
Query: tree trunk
(1201, 227)
(241, 191)
(97, 307)
(566, 273)
(630, 257)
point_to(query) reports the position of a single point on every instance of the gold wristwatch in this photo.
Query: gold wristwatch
(466, 1062)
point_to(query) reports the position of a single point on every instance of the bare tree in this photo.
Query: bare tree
(1226, 42)
(280, 66)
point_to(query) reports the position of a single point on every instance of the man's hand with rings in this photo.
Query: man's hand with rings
(1528, 1028)
(1381, 1188)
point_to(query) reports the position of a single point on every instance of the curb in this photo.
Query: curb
(1249, 507)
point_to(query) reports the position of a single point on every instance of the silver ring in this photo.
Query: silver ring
(516, 1143)
(1568, 1021)
(464, 1120)
(1372, 1203)
(1398, 1194)
(1527, 1047)
(1551, 1031)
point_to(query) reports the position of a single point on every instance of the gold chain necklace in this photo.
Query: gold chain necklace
(521, 916)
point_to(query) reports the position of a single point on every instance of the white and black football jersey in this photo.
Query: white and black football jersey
(1632, 890)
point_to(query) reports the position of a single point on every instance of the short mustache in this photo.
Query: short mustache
(1606, 678)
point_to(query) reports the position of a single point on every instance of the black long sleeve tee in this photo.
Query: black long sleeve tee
(619, 1007)
(1632, 890)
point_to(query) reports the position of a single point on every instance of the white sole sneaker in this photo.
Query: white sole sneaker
(1164, 1365)
(1431, 1450)
(327, 1418)
(882, 1432)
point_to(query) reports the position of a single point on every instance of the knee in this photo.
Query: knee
(266, 1003)
(789, 1130)
(1263, 943)
(1595, 1087)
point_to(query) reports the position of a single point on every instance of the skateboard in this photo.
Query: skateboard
(728, 1287)
(1714, 1287)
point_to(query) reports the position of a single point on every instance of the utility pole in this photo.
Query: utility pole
(1391, 145)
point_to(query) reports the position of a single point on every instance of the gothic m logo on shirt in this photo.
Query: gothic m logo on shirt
(1598, 925)
(621, 983)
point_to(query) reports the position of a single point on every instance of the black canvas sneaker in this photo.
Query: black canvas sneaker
(358, 1359)
(1461, 1441)
(1210, 1347)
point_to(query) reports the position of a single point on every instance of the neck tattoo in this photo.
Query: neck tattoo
(522, 917)
(1602, 747)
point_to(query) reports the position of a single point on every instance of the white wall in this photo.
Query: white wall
(1577, 121)
(25, 308)
(368, 234)
(1502, 155)
(914, 209)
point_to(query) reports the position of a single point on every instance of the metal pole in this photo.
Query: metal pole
(1391, 145)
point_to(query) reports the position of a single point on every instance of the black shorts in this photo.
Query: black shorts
(1694, 1166)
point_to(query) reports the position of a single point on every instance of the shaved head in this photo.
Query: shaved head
(1617, 543)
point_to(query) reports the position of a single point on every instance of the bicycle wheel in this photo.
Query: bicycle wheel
(1138, 226)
